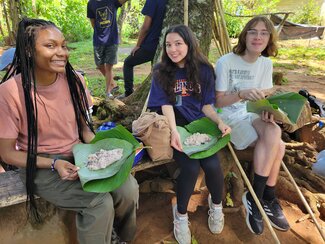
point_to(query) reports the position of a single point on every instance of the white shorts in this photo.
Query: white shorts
(243, 133)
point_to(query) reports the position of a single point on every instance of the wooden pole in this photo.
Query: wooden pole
(250, 188)
(186, 12)
(303, 200)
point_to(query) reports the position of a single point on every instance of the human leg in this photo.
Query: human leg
(213, 177)
(268, 155)
(141, 56)
(267, 147)
(189, 171)
(125, 202)
(95, 212)
(271, 204)
(105, 58)
(214, 181)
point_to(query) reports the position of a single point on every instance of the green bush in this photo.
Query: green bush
(244, 7)
(69, 15)
(307, 14)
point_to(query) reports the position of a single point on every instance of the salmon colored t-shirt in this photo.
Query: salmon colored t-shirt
(57, 126)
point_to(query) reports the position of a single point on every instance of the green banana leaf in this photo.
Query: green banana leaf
(118, 132)
(189, 150)
(286, 107)
(111, 183)
(203, 125)
(81, 152)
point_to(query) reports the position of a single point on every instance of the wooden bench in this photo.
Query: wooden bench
(12, 189)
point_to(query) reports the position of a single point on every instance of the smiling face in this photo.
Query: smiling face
(176, 49)
(51, 53)
(257, 39)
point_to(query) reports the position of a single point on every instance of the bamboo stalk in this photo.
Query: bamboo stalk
(186, 12)
(224, 27)
(250, 188)
(304, 201)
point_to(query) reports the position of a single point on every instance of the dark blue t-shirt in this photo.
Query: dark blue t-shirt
(156, 10)
(104, 13)
(189, 106)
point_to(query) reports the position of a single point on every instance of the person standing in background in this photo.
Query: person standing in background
(145, 49)
(102, 15)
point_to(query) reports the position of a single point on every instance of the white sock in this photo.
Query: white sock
(216, 206)
(180, 216)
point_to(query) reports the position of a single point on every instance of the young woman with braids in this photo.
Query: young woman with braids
(46, 109)
(183, 90)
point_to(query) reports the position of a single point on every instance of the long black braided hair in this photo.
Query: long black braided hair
(24, 63)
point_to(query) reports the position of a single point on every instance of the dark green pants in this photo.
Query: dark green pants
(96, 212)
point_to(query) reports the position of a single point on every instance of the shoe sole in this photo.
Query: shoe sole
(115, 89)
(275, 226)
(244, 200)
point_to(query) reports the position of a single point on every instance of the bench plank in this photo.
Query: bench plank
(12, 189)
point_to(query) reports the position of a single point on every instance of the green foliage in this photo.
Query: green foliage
(133, 20)
(69, 15)
(307, 14)
(244, 7)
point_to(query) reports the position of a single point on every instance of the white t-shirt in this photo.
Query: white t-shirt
(235, 74)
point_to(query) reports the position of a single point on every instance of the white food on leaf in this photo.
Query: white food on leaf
(103, 158)
(197, 139)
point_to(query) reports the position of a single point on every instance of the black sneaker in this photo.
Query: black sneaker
(274, 212)
(254, 219)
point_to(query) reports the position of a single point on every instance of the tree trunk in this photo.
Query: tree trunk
(124, 10)
(14, 10)
(200, 21)
(6, 17)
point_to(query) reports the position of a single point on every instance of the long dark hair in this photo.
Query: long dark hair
(24, 63)
(271, 48)
(166, 69)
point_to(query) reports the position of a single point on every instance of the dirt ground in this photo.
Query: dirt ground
(155, 225)
(154, 217)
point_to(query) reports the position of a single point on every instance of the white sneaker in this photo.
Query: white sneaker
(182, 232)
(216, 218)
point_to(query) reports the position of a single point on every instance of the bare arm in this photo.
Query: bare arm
(10, 155)
(88, 135)
(224, 99)
(209, 112)
(175, 140)
(143, 33)
(92, 22)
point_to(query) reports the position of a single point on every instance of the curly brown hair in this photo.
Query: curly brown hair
(271, 48)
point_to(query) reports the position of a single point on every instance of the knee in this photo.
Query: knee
(212, 167)
(105, 204)
(130, 192)
(272, 131)
(128, 62)
(191, 171)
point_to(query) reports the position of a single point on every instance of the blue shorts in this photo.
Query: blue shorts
(105, 54)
